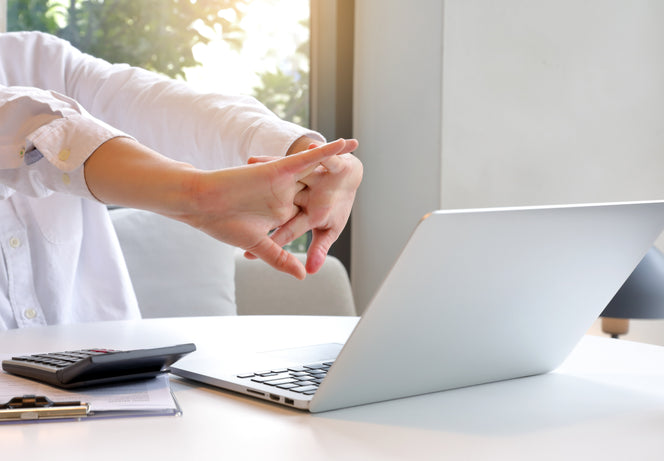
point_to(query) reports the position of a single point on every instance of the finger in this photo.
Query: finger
(300, 187)
(302, 163)
(315, 176)
(296, 211)
(321, 242)
(351, 145)
(306, 159)
(278, 258)
(302, 197)
(335, 164)
(292, 230)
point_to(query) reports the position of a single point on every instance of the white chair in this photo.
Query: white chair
(259, 289)
(179, 271)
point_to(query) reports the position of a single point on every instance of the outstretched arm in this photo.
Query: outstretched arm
(236, 205)
(207, 130)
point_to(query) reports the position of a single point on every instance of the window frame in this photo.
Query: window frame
(3, 16)
(331, 87)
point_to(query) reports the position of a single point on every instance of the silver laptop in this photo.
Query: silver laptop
(475, 296)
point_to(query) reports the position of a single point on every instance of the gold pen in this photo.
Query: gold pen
(32, 407)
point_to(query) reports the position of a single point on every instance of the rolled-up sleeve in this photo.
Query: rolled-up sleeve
(45, 139)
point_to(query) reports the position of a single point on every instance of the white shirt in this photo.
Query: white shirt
(60, 259)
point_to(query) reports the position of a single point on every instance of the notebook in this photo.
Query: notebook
(475, 296)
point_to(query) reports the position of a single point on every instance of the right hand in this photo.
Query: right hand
(241, 205)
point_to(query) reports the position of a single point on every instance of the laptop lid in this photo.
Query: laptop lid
(477, 296)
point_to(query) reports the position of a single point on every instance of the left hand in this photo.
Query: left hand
(324, 204)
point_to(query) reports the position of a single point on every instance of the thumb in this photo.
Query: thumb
(278, 258)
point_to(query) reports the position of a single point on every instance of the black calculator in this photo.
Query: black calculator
(88, 367)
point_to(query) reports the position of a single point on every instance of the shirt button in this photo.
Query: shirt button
(30, 314)
(14, 242)
(66, 179)
(63, 155)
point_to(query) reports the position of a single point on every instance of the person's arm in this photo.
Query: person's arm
(208, 130)
(236, 205)
(44, 140)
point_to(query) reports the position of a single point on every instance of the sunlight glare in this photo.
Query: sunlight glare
(273, 33)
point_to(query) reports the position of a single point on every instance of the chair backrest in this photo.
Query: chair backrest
(176, 270)
(179, 271)
(259, 289)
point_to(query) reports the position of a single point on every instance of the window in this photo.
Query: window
(257, 47)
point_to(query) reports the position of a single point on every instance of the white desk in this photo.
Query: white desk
(606, 402)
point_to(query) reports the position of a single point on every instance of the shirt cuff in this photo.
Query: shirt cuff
(276, 136)
(68, 142)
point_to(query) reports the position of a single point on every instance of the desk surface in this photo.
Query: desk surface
(605, 402)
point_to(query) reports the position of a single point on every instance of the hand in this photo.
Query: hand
(242, 205)
(325, 204)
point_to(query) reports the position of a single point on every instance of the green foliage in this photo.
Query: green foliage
(154, 34)
(30, 15)
(285, 95)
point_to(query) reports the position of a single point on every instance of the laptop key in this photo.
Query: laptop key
(287, 385)
(297, 369)
(276, 382)
(303, 389)
(315, 366)
(266, 379)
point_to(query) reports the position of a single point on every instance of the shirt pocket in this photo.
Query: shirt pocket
(59, 217)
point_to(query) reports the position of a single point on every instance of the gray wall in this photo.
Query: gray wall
(477, 103)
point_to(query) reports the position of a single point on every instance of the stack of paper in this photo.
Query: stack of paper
(145, 397)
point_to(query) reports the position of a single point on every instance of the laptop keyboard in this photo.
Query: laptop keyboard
(303, 379)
